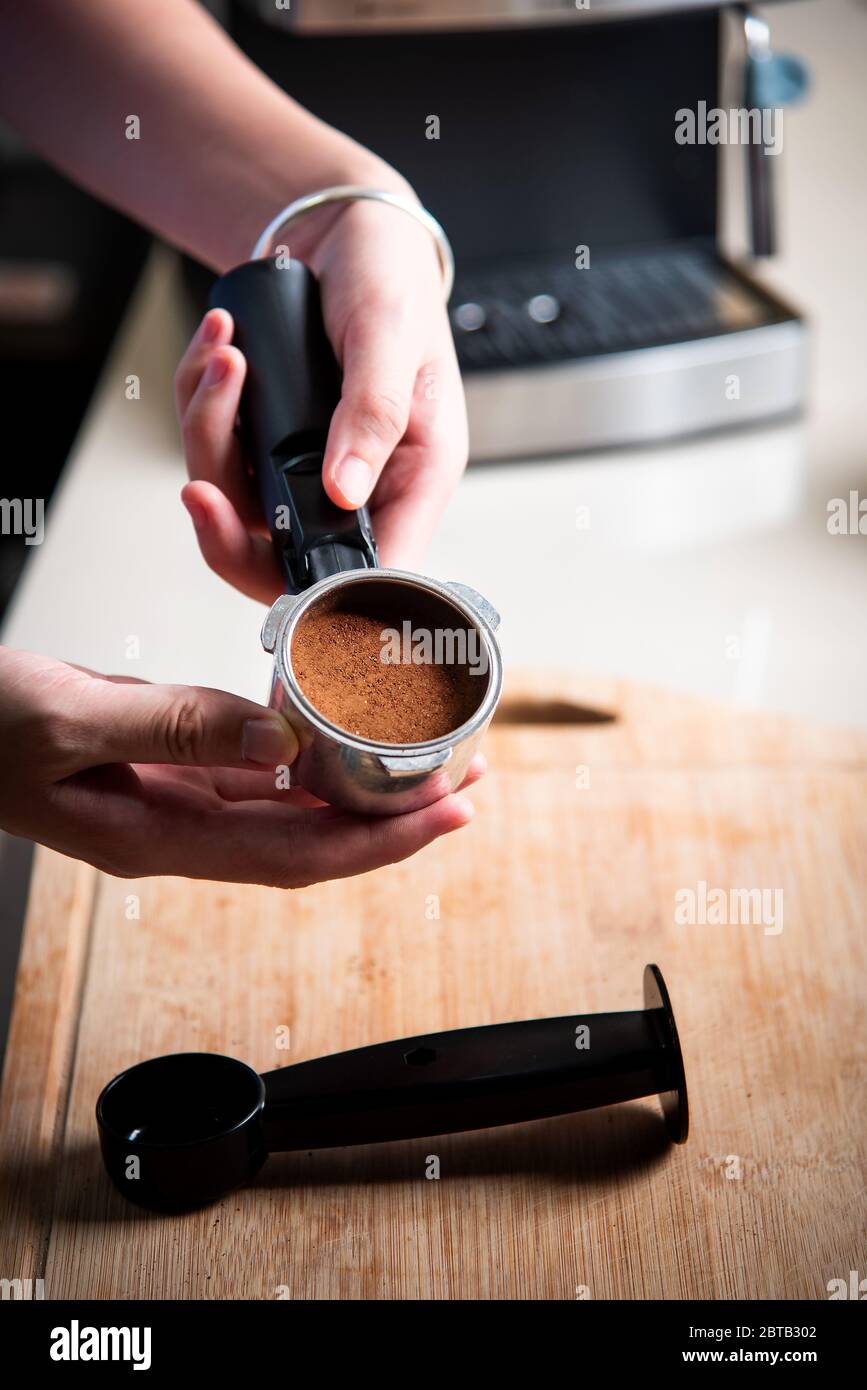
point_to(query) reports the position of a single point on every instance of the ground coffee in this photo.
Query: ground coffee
(337, 654)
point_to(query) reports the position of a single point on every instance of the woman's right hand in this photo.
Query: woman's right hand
(398, 437)
(143, 779)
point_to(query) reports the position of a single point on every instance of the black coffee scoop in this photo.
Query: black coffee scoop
(181, 1131)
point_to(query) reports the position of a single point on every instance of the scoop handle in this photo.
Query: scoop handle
(291, 390)
(471, 1078)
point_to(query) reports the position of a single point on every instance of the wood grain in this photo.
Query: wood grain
(551, 903)
(40, 1057)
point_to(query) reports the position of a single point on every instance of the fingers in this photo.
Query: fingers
(215, 330)
(208, 423)
(405, 519)
(234, 785)
(208, 385)
(415, 492)
(290, 848)
(105, 722)
(245, 561)
(143, 821)
(381, 358)
(225, 513)
(476, 770)
(347, 845)
(425, 469)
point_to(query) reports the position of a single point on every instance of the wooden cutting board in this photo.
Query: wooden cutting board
(603, 802)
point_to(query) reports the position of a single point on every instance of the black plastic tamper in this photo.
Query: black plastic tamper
(181, 1131)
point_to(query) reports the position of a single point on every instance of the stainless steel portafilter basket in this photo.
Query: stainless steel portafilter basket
(382, 778)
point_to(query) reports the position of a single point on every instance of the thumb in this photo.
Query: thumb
(182, 724)
(380, 367)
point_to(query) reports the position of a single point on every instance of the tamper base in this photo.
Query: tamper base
(675, 1106)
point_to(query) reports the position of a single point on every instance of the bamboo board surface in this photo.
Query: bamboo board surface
(604, 801)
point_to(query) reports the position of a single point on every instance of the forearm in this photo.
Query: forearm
(221, 148)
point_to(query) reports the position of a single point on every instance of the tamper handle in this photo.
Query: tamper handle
(470, 1078)
(290, 394)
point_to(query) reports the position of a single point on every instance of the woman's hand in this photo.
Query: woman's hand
(398, 438)
(142, 779)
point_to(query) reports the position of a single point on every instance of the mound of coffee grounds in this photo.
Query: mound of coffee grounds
(337, 660)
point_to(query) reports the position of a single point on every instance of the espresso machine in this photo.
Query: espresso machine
(593, 304)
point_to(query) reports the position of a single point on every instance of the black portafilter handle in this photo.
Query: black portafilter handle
(475, 1078)
(290, 393)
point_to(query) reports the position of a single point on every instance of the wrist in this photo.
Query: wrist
(286, 153)
(306, 236)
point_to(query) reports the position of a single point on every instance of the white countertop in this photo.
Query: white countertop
(707, 565)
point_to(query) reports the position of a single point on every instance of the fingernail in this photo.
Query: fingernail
(268, 742)
(216, 369)
(198, 515)
(355, 479)
(467, 808)
(210, 327)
